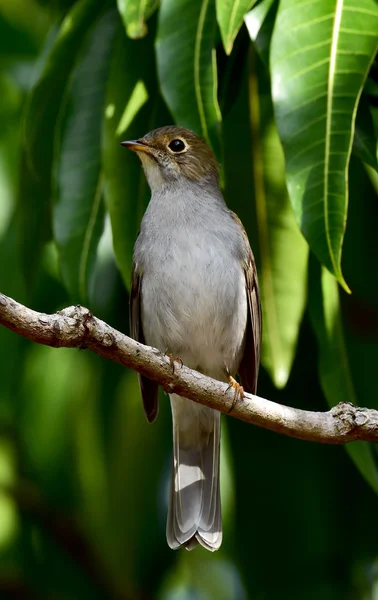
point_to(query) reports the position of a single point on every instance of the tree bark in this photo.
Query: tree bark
(77, 327)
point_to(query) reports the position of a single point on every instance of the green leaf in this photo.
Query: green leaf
(364, 141)
(138, 459)
(33, 217)
(282, 251)
(334, 368)
(260, 22)
(46, 96)
(38, 128)
(320, 55)
(123, 180)
(187, 65)
(78, 209)
(134, 14)
(255, 189)
(230, 16)
(131, 80)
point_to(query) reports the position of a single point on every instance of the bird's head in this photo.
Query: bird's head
(174, 154)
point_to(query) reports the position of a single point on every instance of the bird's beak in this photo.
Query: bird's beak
(136, 146)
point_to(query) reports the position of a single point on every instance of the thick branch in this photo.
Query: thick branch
(76, 327)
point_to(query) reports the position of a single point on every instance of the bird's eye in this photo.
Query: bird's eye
(177, 145)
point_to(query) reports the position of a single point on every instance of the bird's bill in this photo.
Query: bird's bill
(136, 146)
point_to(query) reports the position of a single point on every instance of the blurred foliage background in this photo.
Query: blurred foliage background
(274, 88)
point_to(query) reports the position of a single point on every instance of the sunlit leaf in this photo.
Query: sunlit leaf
(320, 55)
(255, 189)
(282, 251)
(78, 208)
(230, 14)
(134, 14)
(131, 111)
(260, 22)
(187, 67)
(334, 368)
(45, 414)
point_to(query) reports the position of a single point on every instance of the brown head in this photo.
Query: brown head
(171, 153)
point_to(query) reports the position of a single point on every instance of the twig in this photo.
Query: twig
(76, 327)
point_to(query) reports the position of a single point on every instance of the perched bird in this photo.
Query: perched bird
(194, 294)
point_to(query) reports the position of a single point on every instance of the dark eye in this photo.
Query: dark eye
(177, 145)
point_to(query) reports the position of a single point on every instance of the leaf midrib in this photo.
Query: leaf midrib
(83, 263)
(197, 52)
(331, 80)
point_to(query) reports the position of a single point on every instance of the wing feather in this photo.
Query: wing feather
(249, 366)
(148, 388)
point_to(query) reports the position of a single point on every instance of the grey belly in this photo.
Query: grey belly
(197, 315)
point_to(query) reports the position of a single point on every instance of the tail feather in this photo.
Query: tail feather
(194, 515)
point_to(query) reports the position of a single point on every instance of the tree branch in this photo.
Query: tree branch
(76, 327)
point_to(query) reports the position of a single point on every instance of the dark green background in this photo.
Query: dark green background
(83, 477)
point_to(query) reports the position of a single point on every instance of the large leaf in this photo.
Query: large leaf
(334, 368)
(282, 251)
(45, 99)
(260, 22)
(134, 14)
(40, 118)
(230, 16)
(256, 190)
(320, 55)
(132, 109)
(187, 67)
(78, 209)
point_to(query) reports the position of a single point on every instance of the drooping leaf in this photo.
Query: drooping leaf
(186, 65)
(41, 112)
(320, 56)
(255, 189)
(230, 14)
(34, 191)
(78, 208)
(139, 460)
(134, 14)
(282, 251)
(46, 96)
(230, 72)
(334, 368)
(132, 109)
(260, 22)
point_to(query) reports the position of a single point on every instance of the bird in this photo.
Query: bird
(194, 294)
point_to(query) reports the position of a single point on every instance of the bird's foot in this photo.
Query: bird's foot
(172, 360)
(238, 389)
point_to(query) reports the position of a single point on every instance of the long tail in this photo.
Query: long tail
(194, 514)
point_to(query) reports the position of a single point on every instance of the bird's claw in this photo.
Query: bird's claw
(173, 360)
(239, 390)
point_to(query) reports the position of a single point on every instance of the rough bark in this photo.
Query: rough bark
(77, 327)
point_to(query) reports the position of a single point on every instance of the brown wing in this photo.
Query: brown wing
(249, 366)
(148, 388)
